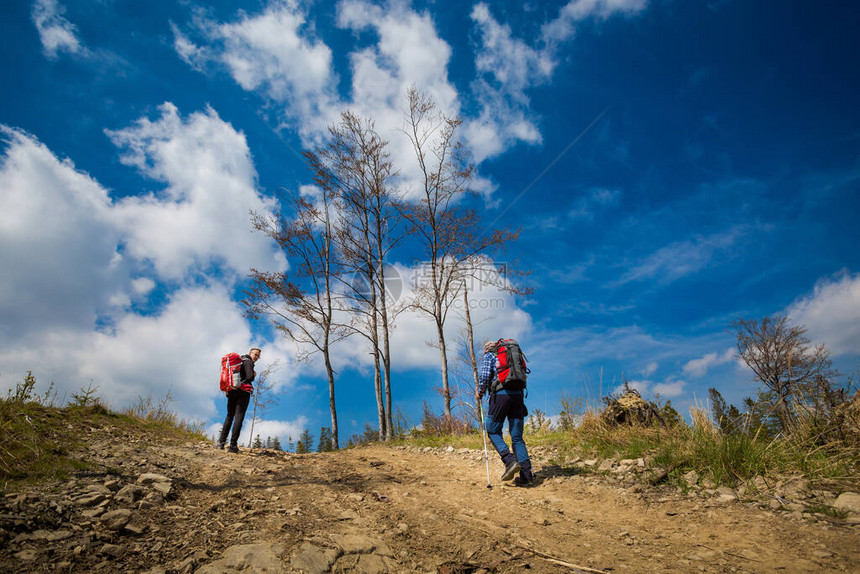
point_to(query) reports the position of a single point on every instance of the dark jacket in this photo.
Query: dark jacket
(248, 374)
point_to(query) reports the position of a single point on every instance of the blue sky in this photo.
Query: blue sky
(672, 165)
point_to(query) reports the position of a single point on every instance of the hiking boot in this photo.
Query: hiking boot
(522, 481)
(220, 446)
(232, 448)
(511, 470)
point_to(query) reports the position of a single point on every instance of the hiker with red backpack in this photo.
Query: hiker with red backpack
(503, 372)
(237, 374)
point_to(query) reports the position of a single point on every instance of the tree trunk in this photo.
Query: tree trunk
(383, 315)
(330, 373)
(470, 339)
(443, 356)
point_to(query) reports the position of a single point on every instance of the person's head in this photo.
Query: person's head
(254, 354)
(490, 346)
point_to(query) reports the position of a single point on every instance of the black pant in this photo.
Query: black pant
(237, 404)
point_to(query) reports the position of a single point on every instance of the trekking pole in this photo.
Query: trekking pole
(484, 434)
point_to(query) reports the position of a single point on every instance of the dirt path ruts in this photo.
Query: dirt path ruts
(394, 509)
(434, 511)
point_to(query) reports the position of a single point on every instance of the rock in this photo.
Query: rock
(27, 555)
(134, 528)
(189, 564)
(163, 488)
(130, 493)
(150, 478)
(761, 485)
(659, 476)
(116, 519)
(725, 494)
(354, 543)
(91, 499)
(795, 488)
(606, 465)
(98, 489)
(51, 535)
(691, 478)
(848, 502)
(313, 559)
(111, 550)
(369, 564)
(247, 558)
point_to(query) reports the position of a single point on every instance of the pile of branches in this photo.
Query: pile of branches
(630, 408)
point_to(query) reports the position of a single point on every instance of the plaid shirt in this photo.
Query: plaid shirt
(487, 371)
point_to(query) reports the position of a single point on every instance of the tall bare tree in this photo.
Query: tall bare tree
(360, 171)
(436, 217)
(782, 358)
(303, 307)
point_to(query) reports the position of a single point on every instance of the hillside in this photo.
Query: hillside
(140, 499)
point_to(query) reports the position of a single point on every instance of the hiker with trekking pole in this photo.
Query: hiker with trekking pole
(503, 372)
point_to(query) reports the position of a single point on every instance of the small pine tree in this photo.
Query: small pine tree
(276, 444)
(325, 443)
(257, 442)
(305, 442)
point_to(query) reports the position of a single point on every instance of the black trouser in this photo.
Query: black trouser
(237, 404)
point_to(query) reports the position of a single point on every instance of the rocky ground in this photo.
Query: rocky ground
(168, 505)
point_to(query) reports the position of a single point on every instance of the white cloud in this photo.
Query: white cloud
(409, 52)
(564, 26)
(275, 53)
(668, 389)
(494, 314)
(508, 67)
(831, 313)
(649, 369)
(682, 258)
(699, 367)
(66, 301)
(55, 32)
(513, 65)
(59, 241)
(201, 217)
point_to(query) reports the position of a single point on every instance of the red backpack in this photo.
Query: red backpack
(231, 372)
(511, 366)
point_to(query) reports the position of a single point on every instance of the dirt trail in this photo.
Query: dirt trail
(401, 509)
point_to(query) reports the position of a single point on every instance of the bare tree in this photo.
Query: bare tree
(262, 396)
(782, 358)
(360, 172)
(448, 232)
(303, 308)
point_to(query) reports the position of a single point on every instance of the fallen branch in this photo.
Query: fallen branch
(555, 560)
